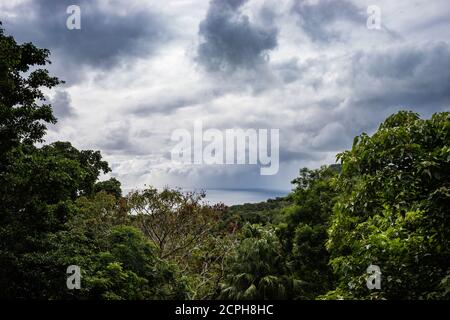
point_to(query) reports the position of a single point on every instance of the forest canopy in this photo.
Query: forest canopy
(385, 203)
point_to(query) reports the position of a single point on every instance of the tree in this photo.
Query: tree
(267, 212)
(129, 268)
(111, 186)
(116, 260)
(175, 221)
(257, 270)
(206, 267)
(22, 118)
(41, 188)
(303, 232)
(392, 211)
(38, 186)
(186, 231)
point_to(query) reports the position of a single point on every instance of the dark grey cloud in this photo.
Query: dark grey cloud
(114, 138)
(119, 138)
(331, 137)
(319, 93)
(116, 142)
(61, 104)
(374, 85)
(292, 155)
(440, 21)
(416, 78)
(105, 37)
(316, 18)
(381, 83)
(230, 40)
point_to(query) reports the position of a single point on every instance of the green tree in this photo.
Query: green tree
(22, 117)
(303, 232)
(187, 232)
(111, 186)
(130, 269)
(38, 186)
(257, 269)
(116, 260)
(394, 200)
(175, 221)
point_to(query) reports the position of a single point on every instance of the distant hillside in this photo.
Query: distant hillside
(262, 212)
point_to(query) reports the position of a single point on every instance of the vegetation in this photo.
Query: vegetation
(393, 210)
(386, 203)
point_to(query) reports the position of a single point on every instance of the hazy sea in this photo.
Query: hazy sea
(241, 196)
(236, 196)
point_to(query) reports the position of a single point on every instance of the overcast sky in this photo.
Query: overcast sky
(137, 70)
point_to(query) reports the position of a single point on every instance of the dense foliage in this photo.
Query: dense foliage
(386, 204)
(258, 269)
(393, 210)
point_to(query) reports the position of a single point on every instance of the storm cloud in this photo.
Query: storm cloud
(62, 105)
(230, 40)
(109, 34)
(415, 77)
(318, 18)
(309, 68)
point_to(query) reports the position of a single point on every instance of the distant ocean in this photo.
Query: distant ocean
(235, 196)
(241, 196)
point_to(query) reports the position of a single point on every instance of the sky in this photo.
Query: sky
(138, 70)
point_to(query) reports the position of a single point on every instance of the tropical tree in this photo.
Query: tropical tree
(393, 211)
(38, 186)
(257, 270)
(303, 231)
(175, 221)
